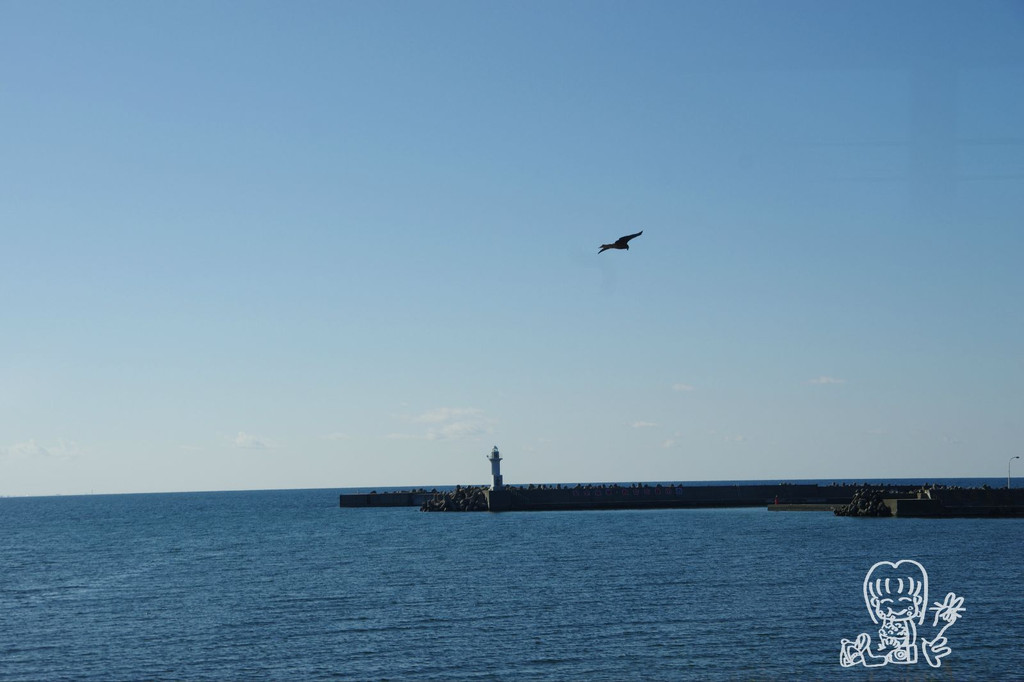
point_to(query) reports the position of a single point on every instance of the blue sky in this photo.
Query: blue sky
(331, 244)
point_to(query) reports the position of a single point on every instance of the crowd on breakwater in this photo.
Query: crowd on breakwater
(472, 498)
(618, 486)
(866, 499)
(845, 499)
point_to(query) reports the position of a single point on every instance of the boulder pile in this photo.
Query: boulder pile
(461, 499)
(865, 502)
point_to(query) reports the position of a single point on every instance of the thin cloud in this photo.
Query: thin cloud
(450, 423)
(643, 425)
(683, 387)
(447, 414)
(30, 449)
(337, 435)
(249, 441)
(822, 380)
(405, 436)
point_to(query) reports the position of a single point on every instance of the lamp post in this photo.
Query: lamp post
(1008, 470)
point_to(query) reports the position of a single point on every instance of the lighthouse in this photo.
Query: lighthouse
(495, 460)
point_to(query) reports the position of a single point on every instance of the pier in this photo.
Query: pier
(843, 500)
(781, 496)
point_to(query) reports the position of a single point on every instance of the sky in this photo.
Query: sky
(316, 244)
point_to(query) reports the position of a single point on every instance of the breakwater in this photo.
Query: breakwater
(472, 498)
(401, 498)
(644, 496)
(611, 496)
(844, 499)
(938, 502)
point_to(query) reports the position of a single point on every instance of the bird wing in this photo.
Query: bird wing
(622, 241)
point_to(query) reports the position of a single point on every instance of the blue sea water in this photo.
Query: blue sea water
(284, 585)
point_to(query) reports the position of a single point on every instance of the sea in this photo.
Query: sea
(285, 585)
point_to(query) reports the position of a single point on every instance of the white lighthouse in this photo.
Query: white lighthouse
(495, 460)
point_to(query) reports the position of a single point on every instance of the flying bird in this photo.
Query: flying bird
(621, 242)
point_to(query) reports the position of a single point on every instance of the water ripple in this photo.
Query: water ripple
(285, 586)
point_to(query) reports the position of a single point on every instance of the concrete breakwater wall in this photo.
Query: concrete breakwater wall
(663, 496)
(961, 502)
(402, 498)
(846, 500)
(614, 496)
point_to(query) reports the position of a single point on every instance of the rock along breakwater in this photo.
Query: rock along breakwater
(459, 500)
